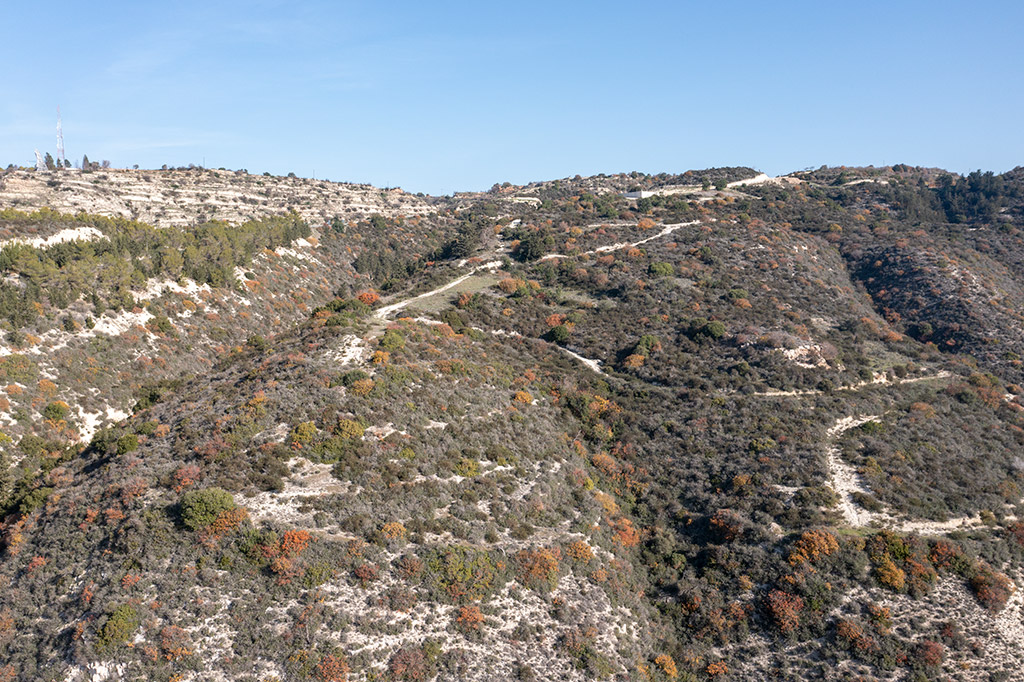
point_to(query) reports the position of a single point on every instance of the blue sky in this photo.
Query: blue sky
(449, 96)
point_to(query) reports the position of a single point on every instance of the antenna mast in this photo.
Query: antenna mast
(60, 142)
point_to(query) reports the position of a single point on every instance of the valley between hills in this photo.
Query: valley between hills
(707, 426)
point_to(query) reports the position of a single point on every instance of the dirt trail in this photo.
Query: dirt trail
(878, 380)
(592, 364)
(382, 313)
(759, 179)
(666, 230)
(846, 482)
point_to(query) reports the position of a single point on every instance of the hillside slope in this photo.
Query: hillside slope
(734, 427)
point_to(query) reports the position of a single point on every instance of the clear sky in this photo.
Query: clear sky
(449, 96)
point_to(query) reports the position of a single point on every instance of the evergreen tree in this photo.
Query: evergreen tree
(6, 476)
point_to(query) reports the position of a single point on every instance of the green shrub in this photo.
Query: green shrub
(714, 329)
(662, 269)
(350, 429)
(129, 442)
(351, 377)
(467, 468)
(351, 308)
(17, 369)
(257, 343)
(148, 428)
(33, 500)
(55, 411)
(31, 445)
(120, 625)
(736, 294)
(336, 449)
(161, 324)
(303, 433)
(461, 574)
(199, 508)
(559, 334)
(392, 340)
(647, 344)
(701, 328)
(317, 574)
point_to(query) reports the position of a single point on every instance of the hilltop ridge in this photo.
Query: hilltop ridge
(187, 197)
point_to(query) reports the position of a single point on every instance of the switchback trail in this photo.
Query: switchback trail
(384, 312)
(847, 482)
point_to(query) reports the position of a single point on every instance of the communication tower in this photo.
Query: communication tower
(60, 142)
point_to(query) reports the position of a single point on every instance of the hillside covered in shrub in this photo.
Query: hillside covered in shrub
(711, 425)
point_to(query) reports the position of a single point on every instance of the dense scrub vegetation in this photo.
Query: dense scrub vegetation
(338, 494)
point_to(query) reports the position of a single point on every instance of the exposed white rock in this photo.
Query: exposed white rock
(100, 671)
(351, 350)
(91, 422)
(70, 234)
(115, 325)
(156, 287)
